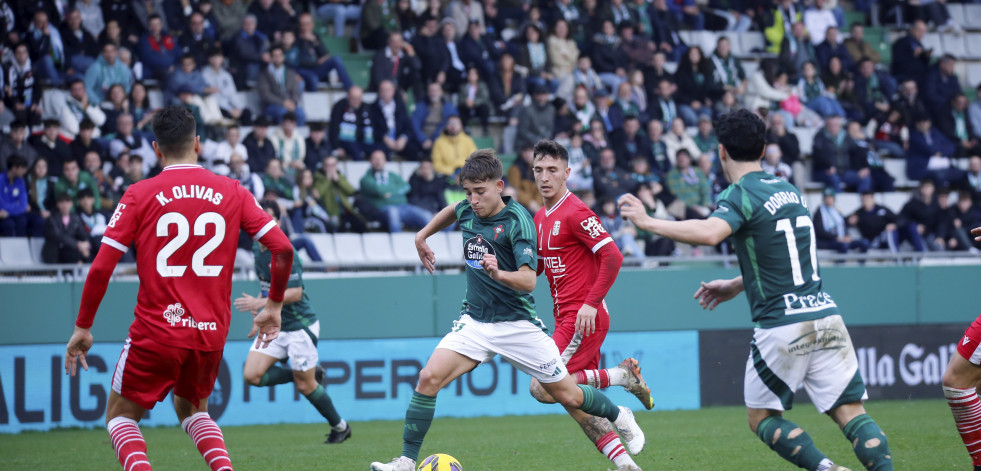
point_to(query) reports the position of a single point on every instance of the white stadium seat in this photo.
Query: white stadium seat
(406, 169)
(404, 247)
(750, 41)
(972, 15)
(932, 41)
(15, 251)
(441, 248)
(315, 104)
(973, 43)
(957, 14)
(354, 171)
(37, 244)
(378, 247)
(325, 245)
(973, 74)
(954, 45)
(349, 248)
(455, 242)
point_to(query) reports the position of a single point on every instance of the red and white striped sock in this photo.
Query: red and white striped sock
(610, 446)
(209, 441)
(128, 443)
(599, 379)
(966, 407)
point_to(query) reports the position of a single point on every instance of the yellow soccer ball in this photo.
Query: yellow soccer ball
(440, 462)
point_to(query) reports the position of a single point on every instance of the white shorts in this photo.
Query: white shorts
(300, 346)
(523, 344)
(817, 355)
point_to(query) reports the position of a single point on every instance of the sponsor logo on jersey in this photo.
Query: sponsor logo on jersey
(807, 303)
(554, 264)
(592, 226)
(116, 214)
(722, 209)
(549, 365)
(174, 316)
(474, 250)
(771, 180)
(498, 230)
(555, 228)
(966, 340)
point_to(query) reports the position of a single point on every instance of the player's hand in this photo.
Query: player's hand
(712, 293)
(586, 320)
(631, 208)
(490, 266)
(976, 232)
(267, 324)
(249, 303)
(426, 254)
(78, 347)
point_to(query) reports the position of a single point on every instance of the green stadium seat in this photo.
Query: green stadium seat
(337, 45)
(484, 142)
(358, 67)
(852, 17)
(507, 160)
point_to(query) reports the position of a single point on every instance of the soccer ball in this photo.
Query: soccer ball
(440, 462)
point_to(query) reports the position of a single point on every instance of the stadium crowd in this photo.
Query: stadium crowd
(612, 80)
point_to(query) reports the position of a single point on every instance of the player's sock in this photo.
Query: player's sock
(276, 375)
(596, 403)
(610, 446)
(599, 379)
(791, 442)
(418, 418)
(324, 405)
(966, 407)
(340, 426)
(209, 441)
(870, 443)
(128, 442)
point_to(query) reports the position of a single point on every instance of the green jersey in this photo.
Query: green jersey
(510, 236)
(298, 315)
(774, 240)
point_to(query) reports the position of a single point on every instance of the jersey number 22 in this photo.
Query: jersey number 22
(183, 230)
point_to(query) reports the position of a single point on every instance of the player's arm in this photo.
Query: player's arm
(260, 225)
(443, 219)
(714, 292)
(610, 262)
(711, 231)
(249, 303)
(94, 290)
(522, 280)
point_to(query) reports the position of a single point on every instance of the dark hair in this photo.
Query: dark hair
(16, 161)
(174, 128)
(317, 126)
(743, 135)
(86, 124)
(549, 148)
(289, 116)
(272, 206)
(85, 193)
(482, 166)
(70, 161)
(276, 46)
(21, 124)
(51, 123)
(63, 196)
(153, 16)
(145, 102)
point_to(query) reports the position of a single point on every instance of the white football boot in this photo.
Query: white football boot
(630, 432)
(398, 464)
(628, 467)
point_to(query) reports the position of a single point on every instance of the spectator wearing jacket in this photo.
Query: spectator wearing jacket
(13, 199)
(158, 51)
(398, 135)
(427, 188)
(831, 228)
(876, 224)
(279, 88)
(65, 237)
(386, 191)
(250, 52)
(430, 116)
(452, 148)
(929, 154)
(354, 129)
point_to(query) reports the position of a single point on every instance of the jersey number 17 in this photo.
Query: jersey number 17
(788, 230)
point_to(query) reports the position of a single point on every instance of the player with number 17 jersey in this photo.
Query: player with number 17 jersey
(182, 222)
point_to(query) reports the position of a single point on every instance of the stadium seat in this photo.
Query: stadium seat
(378, 247)
(15, 251)
(751, 41)
(954, 45)
(407, 168)
(750, 67)
(315, 105)
(440, 247)
(932, 41)
(972, 15)
(894, 200)
(325, 245)
(156, 98)
(37, 244)
(897, 168)
(973, 43)
(337, 45)
(350, 250)
(973, 74)
(354, 171)
(484, 142)
(957, 14)
(404, 247)
(455, 241)
(252, 101)
(704, 39)
(806, 138)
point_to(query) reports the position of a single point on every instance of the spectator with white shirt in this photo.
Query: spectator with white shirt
(127, 140)
(222, 155)
(817, 19)
(77, 108)
(217, 77)
(290, 146)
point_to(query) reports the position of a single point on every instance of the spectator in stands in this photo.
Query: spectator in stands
(910, 59)
(386, 191)
(222, 155)
(818, 19)
(80, 47)
(481, 50)
(815, 94)
(521, 177)
(773, 164)
(93, 220)
(954, 122)
(789, 145)
(585, 76)
(339, 12)
(909, 102)
(689, 185)
(858, 48)
(694, 81)
(831, 228)
(629, 142)
(729, 74)
(239, 170)
(932, 12)
(563, 52)
(128, 140)
(187, 77)
(197, 41)
(397, 135)
(23, 93)
(866, 171)
(507, 88)
(664, 29)
(335, 192)
(972, 178)
(660, 162)
(279, 88)
(534, 56)
(623, 105)
(251, 52)
(158, 51)
(427, 188)
(475, 100)
(114, 105)
(114, 34)
(398, 63)
(355, 131)
(17, 144)
(217, 78)
(941, 86)
(796, 50)
(582, 109)
(92, 164)
(574, 17)
(929, 154)
(876, 224)
(13, 198)
(84, 142)
(73, 180)
(39, 186)
(77, 108)
(537, 120)
(609, 180)
(872, 91)
(832, 48)
(229, 15)
(920, 218)
(830, 154)
(260, 148)
(606, 57)
(65, 237)
(50, 145)
(315, 61)
(92, 19)
(665, 109)
(431, 49)
(307, 214)
(290, 146)
(106, 72)
(580, 166)
(272, 19)
(637, 49)
(275, 182)
(638, 90)
(960, 219)
(133, 165)
(705, 138)
(463, 12)
(430, 116)
(46, 49)
(677, 139)
(378, 19)
(452, 147)
(139, 106)
(317, 145)
(454, 70)
(624, 233)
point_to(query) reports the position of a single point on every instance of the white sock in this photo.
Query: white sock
(618, 376)
(340, 426)
(825, 465)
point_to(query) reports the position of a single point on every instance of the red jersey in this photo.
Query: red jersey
(569, 235)
(185, 225)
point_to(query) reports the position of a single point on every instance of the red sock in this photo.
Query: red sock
(610, 446)
(599, 379)
(128, 443)
(966, 407)
(207, 437)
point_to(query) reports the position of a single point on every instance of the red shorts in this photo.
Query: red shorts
(585, 356)
(147, 371)
(968, 346)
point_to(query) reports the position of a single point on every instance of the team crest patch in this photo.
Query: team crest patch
(555, 228)
(592, 226)
(474, 250)
(498, 230)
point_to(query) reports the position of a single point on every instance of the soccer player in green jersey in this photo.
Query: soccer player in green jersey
(800, 338)
(498, 314)
(297, 340)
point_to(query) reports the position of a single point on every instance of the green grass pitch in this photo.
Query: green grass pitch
(921, 434)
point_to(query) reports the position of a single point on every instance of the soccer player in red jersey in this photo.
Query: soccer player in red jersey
(581, 262)
(184, 224)
(960, 384)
